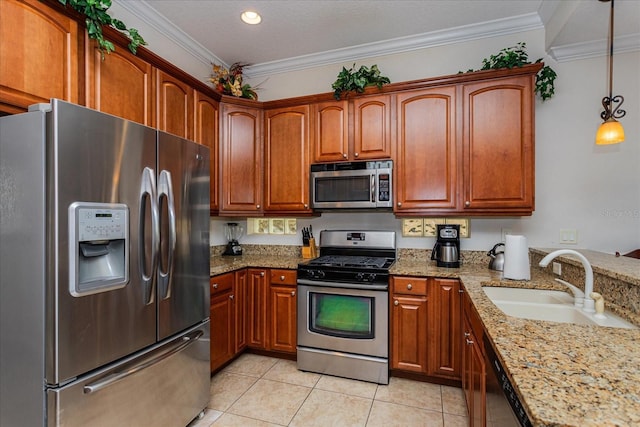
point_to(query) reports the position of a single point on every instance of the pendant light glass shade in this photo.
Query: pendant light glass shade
(610, 132)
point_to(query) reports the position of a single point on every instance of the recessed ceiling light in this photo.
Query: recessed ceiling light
(251, 17)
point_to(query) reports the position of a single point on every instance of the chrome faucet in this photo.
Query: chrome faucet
(589, 304)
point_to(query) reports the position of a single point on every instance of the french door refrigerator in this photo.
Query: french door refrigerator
(104, 267)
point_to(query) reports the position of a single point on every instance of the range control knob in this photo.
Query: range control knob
(360, 277)
(316, 274)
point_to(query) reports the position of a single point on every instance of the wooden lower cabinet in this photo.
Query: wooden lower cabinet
(282, 302)
(222, 316)
(473, 366)
(257, 294)
(409, 317)
(444, 351)
(425, 326)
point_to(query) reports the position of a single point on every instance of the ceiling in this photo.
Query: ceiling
(296, 34)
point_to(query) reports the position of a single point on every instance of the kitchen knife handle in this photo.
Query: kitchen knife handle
(148, 193)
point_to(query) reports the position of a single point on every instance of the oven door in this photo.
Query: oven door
(342, 319)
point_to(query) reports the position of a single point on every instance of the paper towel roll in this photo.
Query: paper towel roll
(516, 258)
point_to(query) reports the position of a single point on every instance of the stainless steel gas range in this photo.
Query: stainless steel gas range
(343, 311)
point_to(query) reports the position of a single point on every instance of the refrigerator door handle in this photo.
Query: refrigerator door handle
(165, 189)
(187, 340)
(148, 192)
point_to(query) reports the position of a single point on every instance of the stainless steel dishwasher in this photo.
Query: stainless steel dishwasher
(504, 407)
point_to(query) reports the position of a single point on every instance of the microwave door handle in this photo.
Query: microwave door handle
(373, 188)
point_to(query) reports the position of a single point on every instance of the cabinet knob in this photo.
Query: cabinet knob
(257, 206)
(356, 154)
(230, 297)
(293, 293)
(262, 274)
(409, 286)
(469, 342)
(282, 278)
(306, 206)
(399, 204)
(344, 155)
(215, 286)
(467, 334)
(467, 204)
(395, 302)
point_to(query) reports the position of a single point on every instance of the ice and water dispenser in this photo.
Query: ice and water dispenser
(98, 247)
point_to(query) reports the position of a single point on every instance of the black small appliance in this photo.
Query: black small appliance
(446, 251)
(233, 232)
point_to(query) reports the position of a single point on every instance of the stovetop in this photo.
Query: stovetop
(352, 261)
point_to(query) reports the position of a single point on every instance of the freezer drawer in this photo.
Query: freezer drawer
(166, 386)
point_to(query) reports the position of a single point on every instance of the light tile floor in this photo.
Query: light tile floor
(263, 391)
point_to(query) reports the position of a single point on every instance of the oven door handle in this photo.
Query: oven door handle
(381, 287)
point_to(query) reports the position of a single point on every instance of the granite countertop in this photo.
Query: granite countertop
(225, 264)
(565, 374)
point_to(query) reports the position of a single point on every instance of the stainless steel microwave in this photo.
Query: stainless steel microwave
(352, 185)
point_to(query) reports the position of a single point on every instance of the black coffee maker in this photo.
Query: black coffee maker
(446, 251)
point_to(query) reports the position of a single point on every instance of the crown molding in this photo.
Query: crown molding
(460, 34)
(586, 50)
(142, 10)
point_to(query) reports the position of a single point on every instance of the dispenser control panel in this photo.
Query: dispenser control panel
(98, 247)
(101, 224)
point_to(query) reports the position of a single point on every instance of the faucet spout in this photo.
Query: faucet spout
(589, 304)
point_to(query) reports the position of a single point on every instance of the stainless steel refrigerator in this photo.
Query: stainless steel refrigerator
(104, 267)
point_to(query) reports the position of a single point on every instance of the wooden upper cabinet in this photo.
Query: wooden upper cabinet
(372, 127)
(426, 155)
(241, 160)
(498, 150)
(40, 55)
(331, 131)
(363, 133)
(121, 84)
(175, 105)
(205, 132)
(287, 160)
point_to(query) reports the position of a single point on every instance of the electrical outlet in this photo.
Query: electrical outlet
(504, 233)
(557, 268)
(568, 236)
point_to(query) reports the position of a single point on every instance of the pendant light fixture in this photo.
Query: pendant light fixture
(611, 131)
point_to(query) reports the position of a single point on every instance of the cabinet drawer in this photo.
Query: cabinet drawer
(283, 277)
(409, 285)
(221, 283)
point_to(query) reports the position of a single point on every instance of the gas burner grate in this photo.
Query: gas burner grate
(350, 261)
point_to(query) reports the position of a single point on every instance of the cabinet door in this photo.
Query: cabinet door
(444, 348)
(426, 154)
(206, 127)
(372, 127)
(409, 333)
(241, 159)
(283, 318)
(331, 131)
(257, 293)
(222, 319)
(175, 106)
(121, 84)
(39, 55)
(287, 160)
(240, 292)
(498, 145)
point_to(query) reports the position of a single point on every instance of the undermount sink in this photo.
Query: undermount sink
(543, 304)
